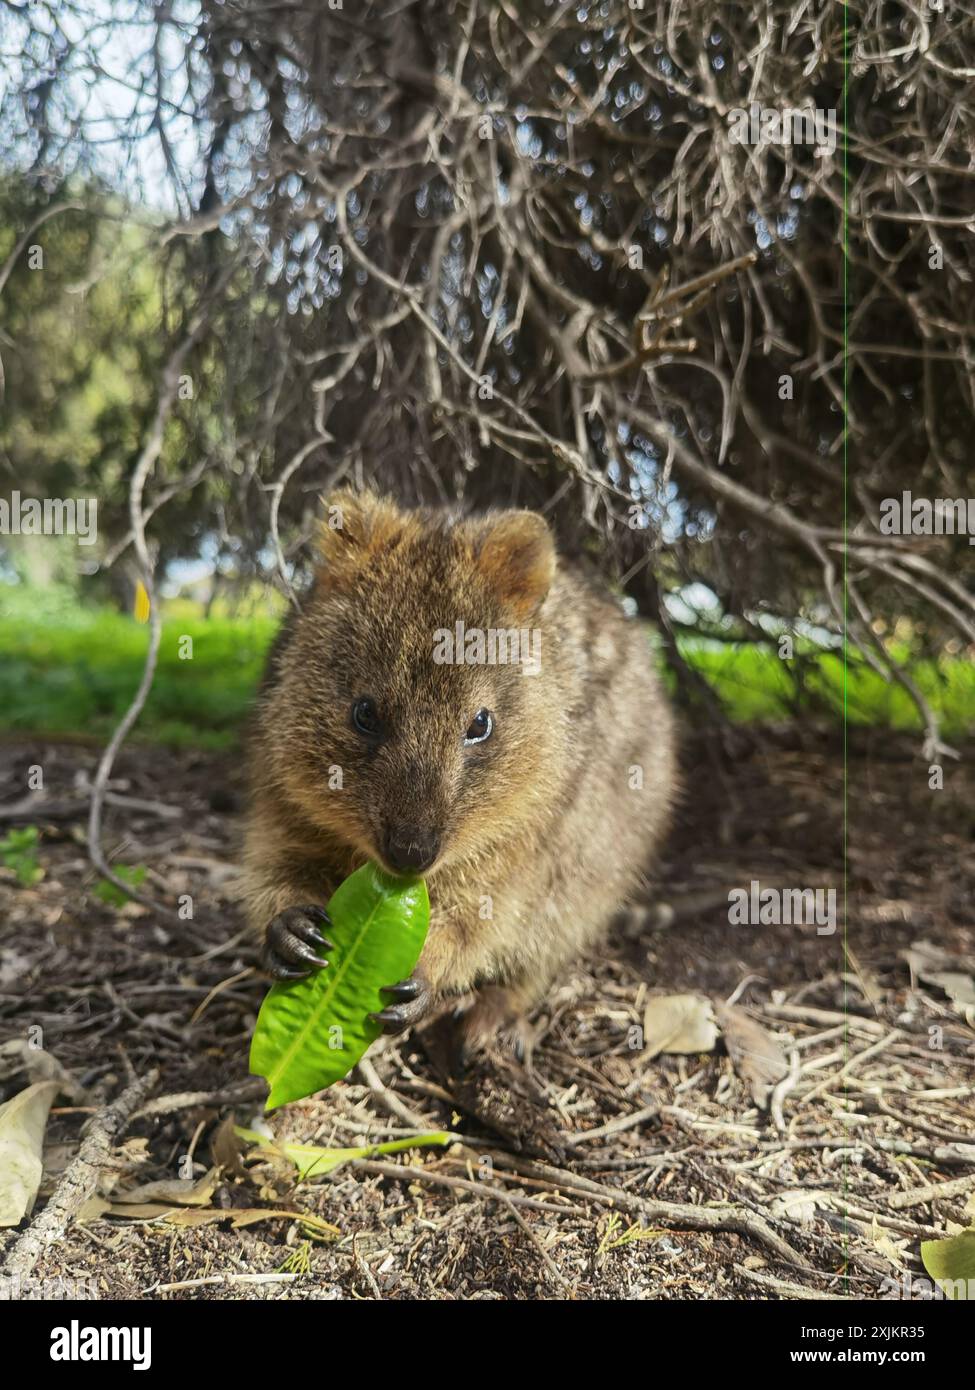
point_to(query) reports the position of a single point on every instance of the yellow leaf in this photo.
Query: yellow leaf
(141, 603)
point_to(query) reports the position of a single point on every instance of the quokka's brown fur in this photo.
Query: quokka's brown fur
(545, 829)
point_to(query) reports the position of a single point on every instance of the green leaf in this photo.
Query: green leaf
(18, 851)
(311, 1032)
(314, 1162)
(108, 892)
(17, 841)
(951, 1263)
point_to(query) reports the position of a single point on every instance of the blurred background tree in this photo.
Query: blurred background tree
(510, 254)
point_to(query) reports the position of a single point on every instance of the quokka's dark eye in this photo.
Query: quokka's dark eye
(365, 718)
(482, 726)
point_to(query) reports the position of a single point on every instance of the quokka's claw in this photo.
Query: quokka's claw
(413, 999)
(290, 941)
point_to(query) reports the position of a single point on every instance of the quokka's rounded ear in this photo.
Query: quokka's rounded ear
(355, 527)
(516, 555)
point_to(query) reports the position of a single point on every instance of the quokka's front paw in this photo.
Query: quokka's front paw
(411, 998)
(290, 942)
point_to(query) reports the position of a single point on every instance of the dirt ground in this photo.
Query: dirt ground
(593, 1169)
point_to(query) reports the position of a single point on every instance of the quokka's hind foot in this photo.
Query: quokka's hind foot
(496, 1021)
(641, 918)
(487, 1083)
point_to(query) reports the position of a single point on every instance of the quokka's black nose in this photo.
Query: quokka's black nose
(410, 851)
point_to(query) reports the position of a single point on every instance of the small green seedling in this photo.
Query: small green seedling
(108, 892)
(18, 851)
(314, 1162)
(311, 1032)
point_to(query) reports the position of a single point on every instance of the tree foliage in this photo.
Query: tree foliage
(483, 252)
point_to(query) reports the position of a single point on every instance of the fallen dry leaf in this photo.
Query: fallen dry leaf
(678, 1023)
(22, 1122)
(226, 1148)
(755, 1054)
(894, 1250)
(800, 1205)
(955, 975)
(184, 1192)
(18, 1055)
(190, 1217)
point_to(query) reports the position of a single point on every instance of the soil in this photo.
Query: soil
(810, 1135)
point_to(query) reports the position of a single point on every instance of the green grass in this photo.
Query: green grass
(66, 668)
(754, 684)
